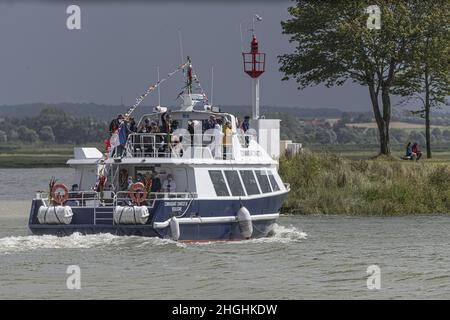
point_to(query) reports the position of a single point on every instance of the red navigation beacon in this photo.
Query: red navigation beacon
(254, 61)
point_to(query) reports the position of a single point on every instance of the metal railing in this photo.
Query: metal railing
(123, 198)
(163, 145)
(82, 198)
(107, 198)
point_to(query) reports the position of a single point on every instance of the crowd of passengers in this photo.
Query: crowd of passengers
(163, 140)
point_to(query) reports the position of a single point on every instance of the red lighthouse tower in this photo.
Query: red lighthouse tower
(254, 66)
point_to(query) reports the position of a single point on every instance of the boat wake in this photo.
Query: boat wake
(78, 241)
(283, 234)
(16, 244)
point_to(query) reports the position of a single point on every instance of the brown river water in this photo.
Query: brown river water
(309, 257)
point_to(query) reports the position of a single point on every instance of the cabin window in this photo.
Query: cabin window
(263, 181)
(249, 182)
(235, 183)
(273, 182)
(219, 183)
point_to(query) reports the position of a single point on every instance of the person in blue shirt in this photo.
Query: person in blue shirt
(245, 126)
(409, 152)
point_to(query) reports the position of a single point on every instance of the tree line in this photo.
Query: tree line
(53, 125)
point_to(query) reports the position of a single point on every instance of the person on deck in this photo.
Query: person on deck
(169, 184)
(132, 126)
(218, 139)
(114, 125)
(156, 183)
(245, 126)
(227, 141)
(129, 182)
(123, 134)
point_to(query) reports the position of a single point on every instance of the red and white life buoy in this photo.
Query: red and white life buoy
(137, 192)
(60, 193)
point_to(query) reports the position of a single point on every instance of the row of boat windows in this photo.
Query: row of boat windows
(255, 182)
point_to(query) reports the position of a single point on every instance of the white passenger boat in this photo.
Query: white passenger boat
(193, 182)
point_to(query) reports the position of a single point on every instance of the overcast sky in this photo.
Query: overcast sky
(116, 53)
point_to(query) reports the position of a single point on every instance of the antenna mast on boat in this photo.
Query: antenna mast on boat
(212, 84)
(159, 92)
(181, 46)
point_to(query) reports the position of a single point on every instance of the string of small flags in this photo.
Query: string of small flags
(152, 88)
(199, 86)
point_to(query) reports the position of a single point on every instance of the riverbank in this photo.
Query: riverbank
(329, 184)
(34, 156)
(321, 182)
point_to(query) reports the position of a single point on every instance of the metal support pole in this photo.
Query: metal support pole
(255, 99)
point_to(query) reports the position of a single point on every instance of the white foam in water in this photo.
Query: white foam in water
(78, 241)
(284, 235)
(280, 234)
(75, 241)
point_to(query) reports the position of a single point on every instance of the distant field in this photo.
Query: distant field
(393, 125)
(26, 156)
(440, 152)
(34, 156)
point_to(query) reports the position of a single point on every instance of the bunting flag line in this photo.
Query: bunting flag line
(199, 86)
(152, 88)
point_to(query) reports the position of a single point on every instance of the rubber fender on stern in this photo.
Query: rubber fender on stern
(245, 222)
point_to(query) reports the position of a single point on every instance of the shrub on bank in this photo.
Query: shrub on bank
(326, 183)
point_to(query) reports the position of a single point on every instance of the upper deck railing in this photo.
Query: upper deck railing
(188, 146)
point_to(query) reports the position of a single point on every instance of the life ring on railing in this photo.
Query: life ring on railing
(60, 193)
(138, 192)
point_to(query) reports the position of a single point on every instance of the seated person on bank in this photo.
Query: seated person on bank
(416, 151)
(169, 184)
(410, 155)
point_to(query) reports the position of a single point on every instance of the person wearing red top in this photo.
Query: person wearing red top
(416, 151)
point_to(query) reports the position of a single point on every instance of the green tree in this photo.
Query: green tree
(46, 134)
(446, 134)
(426, 79)
(27, 135)
(3, 136)
(334, 44)
(416, 136)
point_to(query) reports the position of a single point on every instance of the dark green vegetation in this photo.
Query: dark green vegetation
(50, 126)
(329, 184)
(34, 156)
(406, 54)
(48, 138)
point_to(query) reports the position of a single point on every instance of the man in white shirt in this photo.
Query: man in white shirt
(169, 184)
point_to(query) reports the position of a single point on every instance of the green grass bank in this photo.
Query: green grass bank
(327, 183)
(34, 156)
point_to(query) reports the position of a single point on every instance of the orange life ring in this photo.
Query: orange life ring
(57, 195)
(137, 192)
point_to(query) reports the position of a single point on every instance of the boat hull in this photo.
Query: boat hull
(199, 220)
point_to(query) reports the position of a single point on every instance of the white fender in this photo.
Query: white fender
(55, 215)
(174, 228)
(245, 222)
(131, 215)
